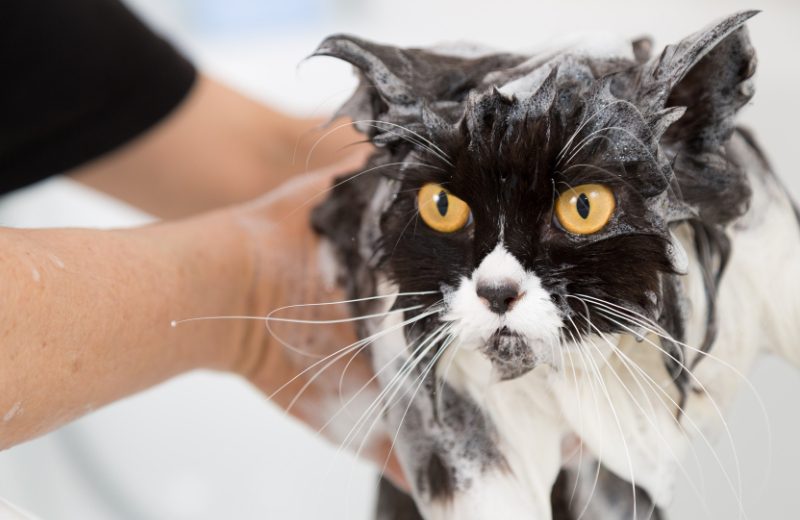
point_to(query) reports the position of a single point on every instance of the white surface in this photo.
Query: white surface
(12, 512)
(206, 446)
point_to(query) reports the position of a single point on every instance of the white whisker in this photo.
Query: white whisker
(629, 365)
(619, 427)
(351, 347)
(567, 146)
(408, 366)
(421, 379)
(431, 147)
(718, 411)
(354, 177)
(646, 324)
(594, 383)
(738, 491)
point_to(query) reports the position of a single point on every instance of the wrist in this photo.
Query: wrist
(209, 260)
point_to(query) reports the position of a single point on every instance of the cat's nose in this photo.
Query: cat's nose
(498, 297)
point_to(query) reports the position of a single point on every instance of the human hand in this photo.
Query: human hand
(314, 371)
(217, 148)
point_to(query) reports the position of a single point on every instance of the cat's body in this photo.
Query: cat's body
(582, 387)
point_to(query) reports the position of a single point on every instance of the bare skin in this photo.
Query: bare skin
(93, 310)
(217, 148)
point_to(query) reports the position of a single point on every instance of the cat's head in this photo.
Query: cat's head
(532, 193)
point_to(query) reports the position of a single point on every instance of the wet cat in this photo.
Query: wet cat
(582, 254)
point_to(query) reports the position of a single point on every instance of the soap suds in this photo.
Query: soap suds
(35, 274)
(56, 260)
(17, 408)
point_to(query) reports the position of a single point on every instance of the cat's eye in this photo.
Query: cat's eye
(585, 209)
(441, 210)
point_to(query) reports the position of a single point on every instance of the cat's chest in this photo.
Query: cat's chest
(591, 398)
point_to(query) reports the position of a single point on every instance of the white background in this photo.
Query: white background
(205, 446)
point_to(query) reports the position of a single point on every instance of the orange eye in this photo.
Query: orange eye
(441, 210)
(585, 209)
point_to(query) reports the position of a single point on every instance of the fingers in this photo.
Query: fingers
(295, 198)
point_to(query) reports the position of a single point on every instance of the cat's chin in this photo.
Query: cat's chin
(512, 355)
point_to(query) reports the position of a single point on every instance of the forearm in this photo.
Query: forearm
(217, 148)
(86, 314)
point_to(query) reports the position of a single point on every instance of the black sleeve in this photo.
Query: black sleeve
(78, 78)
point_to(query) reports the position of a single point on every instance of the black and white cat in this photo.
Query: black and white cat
(588, 254)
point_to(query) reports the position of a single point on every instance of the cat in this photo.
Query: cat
(573, 258)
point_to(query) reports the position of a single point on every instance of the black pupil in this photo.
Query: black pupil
(441, 203)
(583, 206)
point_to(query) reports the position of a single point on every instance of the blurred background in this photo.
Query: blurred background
(206, 446)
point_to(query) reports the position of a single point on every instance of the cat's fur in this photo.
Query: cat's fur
(547, 410)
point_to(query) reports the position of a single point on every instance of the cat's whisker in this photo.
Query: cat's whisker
(597, 381)
(343, 320)
(357, 300)
(580, 409)
(318, 112)
(707, 442)
(378, 399)
(395, 385)
(270, 319)
(363, 387)
(333, 361)
(629, 366)
(596, 135)
(394, 399)
(440, 393)
(175, 323)
(616, 417)
(590, 367)
(714, 404)
(375, 376)
(353, 177)
(369, 298)
(586, 119)
(583, 142)
(617, 176)
(431, 146)
(414, 358)
(657, 330)
(349, 348)
(321, 138)
(619, 427)
(423, 376)
(646, 323)
(347, 366)
(411, 219)
(419, 140)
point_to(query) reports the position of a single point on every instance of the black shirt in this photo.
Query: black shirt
(78, 78)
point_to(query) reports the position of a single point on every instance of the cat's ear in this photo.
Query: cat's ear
(398, 85)
(386, 74)
(709, 74)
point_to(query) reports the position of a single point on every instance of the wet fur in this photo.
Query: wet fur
(506, 133)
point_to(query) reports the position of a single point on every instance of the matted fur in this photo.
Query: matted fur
(507, 133)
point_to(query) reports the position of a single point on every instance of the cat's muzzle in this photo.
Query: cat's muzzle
(510, 354)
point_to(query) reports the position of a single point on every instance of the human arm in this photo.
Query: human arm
(87, 313)
(91, 91)
(218, 147)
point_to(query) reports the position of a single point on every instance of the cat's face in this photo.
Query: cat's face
(517, 214)
(524, 194)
